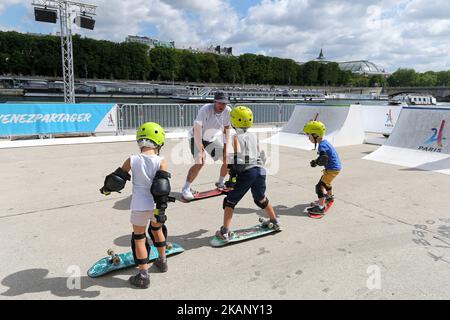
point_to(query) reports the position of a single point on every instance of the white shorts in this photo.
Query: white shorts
(141, 218)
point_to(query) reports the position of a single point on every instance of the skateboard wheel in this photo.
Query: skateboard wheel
(169, 245)
(270, 225)
(116, 260)
(261, 219)
(110, 252)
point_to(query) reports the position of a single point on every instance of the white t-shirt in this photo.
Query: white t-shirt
(212, 123)
(143, 170)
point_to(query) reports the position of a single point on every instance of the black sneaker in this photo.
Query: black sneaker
(161, 264)
(139, 281)
(316, 210)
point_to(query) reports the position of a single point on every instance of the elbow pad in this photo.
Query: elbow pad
(322, 160)
(160, 191)
(116, 181)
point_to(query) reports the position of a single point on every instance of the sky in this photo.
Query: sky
(391, 33)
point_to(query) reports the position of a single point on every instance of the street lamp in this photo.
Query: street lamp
(46, 11)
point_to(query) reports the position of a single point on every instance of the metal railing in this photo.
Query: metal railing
(131, 116)
(172, 116)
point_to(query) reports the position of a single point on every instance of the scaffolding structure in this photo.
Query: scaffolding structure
(64, 7)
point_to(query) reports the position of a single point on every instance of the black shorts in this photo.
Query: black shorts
(214, 149)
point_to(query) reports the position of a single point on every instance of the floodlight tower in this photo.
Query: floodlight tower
(46, 11)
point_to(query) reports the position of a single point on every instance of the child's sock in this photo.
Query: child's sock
(187, 185)
(221, 180)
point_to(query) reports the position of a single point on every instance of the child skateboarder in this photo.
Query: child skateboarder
(151, 189)
(328, 158)
(247, 166)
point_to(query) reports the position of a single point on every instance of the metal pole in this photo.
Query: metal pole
(67, 53)
(64, 7)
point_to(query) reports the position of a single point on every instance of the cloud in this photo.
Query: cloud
(6, 3)
(403, 33)
(392, 34)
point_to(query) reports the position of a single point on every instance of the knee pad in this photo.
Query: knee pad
(159, 244)
(263, 204)
(228, 204)
(319, 190)
(135, 237)
(152, 229)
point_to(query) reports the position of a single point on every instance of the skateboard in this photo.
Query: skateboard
(318, 215)
(264, 228)
(206, 194)
(125, 260)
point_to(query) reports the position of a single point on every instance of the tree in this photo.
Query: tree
(311, 73)
(189, 66)
(229, 69)
(166, 64)
(209, 68)
(402, 78)
(427, 79)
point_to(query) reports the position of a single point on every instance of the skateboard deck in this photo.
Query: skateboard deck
(125, 260)
(262, 229)
(318, 215)
(207, 194)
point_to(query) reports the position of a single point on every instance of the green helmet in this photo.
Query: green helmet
(151, 131)
(241, 117)
(315, 127)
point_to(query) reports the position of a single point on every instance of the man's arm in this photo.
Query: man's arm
(198, 135)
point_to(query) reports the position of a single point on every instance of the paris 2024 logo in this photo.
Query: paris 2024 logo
(435, 142)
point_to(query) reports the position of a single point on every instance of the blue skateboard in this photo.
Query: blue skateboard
(264, 228)
(125, 260)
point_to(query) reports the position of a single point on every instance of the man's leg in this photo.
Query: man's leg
(199, 157)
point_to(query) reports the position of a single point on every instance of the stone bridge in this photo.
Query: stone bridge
(440, 93)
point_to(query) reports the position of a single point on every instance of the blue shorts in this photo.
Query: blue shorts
(254, 179)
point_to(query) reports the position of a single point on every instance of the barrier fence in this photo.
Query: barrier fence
(131, 116)
(50, 120)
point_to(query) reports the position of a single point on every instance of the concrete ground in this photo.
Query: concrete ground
(386, 237)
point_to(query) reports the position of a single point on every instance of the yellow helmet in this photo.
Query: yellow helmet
(241, 117)
(151, 131)
(315, 127)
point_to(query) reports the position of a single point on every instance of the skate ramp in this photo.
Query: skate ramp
(420, 140)
(344, 126)
(380, 119)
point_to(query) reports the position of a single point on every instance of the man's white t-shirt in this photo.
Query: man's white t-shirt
(213, 124)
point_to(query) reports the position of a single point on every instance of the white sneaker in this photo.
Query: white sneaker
(187, 195)
(220, 185)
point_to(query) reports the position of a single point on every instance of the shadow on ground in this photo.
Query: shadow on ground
(192, 240)
(36, 281)
(124, 204)
(280, 210)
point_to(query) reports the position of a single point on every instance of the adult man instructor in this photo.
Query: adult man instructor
(210, 134)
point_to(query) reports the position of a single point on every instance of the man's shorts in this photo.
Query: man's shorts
(254, 179)
(214, 149)
(141, 218)
(328, 177)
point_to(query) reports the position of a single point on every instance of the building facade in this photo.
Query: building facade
(150, 42)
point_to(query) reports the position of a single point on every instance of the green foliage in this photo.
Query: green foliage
(166, 63)
(24, 54)
(402, 78)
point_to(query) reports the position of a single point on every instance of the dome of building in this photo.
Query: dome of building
(361, 67)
